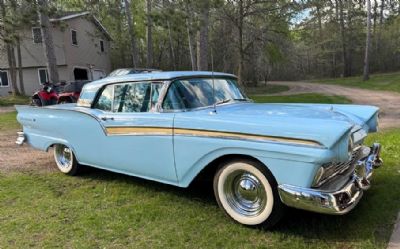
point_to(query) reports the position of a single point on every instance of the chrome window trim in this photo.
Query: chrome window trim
(169, 82)
(100, 91)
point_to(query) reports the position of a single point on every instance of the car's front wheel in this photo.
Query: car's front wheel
(247, 192)
(65, 159)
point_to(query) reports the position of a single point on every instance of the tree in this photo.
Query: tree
(254, 39)
(368, 42)
(8, 38)
(20, 72)
(254, 21)
(189, 23)
(47, 40)
(149, 36)
(202, 42)
(131, 32)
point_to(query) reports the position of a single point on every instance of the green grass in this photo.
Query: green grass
(268, 89)
(8, 121)
(105, 210)
(387, 81)
(14, 100)
(302, 98)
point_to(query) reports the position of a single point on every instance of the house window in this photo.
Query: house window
(74, 37)
(3, 79)
(101, 45)
(37, 35)
(43, 76)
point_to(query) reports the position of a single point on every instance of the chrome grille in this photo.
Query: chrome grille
(336, 168)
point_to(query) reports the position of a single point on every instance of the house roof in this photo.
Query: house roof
(73, 14)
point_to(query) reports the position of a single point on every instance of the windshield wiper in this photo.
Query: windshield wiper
(229, 100)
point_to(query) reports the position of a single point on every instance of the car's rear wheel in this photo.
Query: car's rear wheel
(247, 192)
(65, 159)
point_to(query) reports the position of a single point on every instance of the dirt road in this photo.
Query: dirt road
(389, 102)
(7, 109)
(21, 158)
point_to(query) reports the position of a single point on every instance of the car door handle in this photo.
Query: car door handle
(106, 118)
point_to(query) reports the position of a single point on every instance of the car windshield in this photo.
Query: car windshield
(196, 93)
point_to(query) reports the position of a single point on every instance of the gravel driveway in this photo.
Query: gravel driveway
(389, 102)
(22, 158)
(6, 109)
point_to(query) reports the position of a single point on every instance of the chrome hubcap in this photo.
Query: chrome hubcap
(245, 193)
(63, 156)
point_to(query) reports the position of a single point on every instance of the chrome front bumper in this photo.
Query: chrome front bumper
(21, 138)
(338, 200)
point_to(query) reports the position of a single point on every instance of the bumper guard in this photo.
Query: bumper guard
(339, 201)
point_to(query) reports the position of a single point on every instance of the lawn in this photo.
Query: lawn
(8, 121)
(387, 81)
(14, 100)
(267, 89)
(302, 98)
(106, 210)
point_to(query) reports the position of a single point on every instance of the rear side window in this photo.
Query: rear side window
(132, 97)
(129, 97)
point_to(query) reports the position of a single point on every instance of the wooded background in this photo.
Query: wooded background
(257, 40)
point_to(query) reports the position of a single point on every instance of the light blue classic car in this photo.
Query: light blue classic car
(173, 127)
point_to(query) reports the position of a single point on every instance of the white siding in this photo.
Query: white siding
(86, 54)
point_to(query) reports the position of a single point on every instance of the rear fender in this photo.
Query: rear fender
(46, 126)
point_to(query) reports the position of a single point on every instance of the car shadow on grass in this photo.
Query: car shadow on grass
(199, 190)
(355, 227)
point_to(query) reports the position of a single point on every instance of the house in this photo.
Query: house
(82, 48)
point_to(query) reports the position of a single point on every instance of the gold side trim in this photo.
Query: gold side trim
(204, 133)
(138, 131)
(235, 135)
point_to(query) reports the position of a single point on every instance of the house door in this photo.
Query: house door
(80, 74)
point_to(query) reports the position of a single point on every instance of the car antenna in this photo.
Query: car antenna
(214, 111)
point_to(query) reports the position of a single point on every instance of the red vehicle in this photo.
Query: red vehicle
(52, 94)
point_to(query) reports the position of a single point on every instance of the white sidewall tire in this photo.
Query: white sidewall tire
(255, 220)
(71, 169)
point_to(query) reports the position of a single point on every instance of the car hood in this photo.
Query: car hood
(304, 111)
(322, 123)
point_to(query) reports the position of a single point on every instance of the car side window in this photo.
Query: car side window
(174, 99)
(189, 94)
(129, 97)
(132, 97)
(105, 100)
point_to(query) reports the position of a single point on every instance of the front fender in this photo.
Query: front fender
(289, 164)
